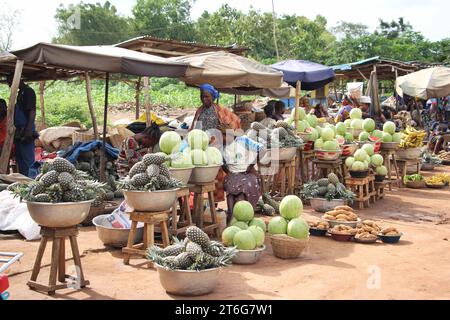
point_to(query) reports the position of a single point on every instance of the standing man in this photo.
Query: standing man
(24, 116)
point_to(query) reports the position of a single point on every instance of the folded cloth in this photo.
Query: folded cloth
(73, 153)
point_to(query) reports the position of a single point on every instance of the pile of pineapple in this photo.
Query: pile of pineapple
(329, 188)
(195, 252)
(282, 135)
(150, 174)
(59, 181)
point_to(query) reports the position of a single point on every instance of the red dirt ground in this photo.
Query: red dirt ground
(417, 268)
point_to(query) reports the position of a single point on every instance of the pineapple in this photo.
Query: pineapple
(323, 182)
(197, 235)
(268, 200)
(140, 180)
(331, 188)
(138, 168)
(184, 260)
(63, 165)
(193, 249)
(43, 198)
(280, 132)
(153, 170)
(170, 262)
(155, 158)
(37, 188)
(333, 178)
(257, 126)
(322, 191)
(164, 171)
(215, 249)
(268, 210)
(173, 250)
(65, 179)
(50, 178)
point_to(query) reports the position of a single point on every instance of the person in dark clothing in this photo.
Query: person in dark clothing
(24, 117)
(279, 111)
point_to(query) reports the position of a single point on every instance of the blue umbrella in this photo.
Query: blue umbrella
(312, 75)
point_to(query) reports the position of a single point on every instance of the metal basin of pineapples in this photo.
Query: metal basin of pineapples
(204, 174)
(182, 174)
(151, 201)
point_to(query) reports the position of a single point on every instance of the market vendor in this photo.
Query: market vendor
(210, 116)
(242, 183)
(136, 147)
(269, 110)
(280, 108)
(25, 134)
(320, 111)
(344, 112)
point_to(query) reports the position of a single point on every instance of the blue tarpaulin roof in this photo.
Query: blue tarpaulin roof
(312, 75)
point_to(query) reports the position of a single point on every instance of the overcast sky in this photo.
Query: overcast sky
(427, 16)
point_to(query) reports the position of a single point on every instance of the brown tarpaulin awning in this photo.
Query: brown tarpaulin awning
(101, 59)
(226, 70)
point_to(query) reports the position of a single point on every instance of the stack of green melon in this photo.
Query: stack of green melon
(290, 222)
(197, 154)
(307, 124)
(328, 140)
(364, 158)
(389, 134)
(246, 232)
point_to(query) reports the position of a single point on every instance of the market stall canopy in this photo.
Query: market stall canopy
(101, 59)
(312, 75)
(226, 70)
(283, 92)
(425, 84)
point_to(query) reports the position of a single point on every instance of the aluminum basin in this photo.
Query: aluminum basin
(188, 283)
(204, 174)
(59, 215)
(248, 256)
(114, 237)
(153, 201)
(182, 174)
(323, 205)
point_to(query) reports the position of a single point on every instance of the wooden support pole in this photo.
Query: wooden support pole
(148, 107)
(91, 105)
(41, 101)
(395, 89)
(298, 88)
(138, 97)
(6, 151)
(105, 123)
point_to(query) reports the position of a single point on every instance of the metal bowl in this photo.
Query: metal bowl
(379, 178)
(341, 237)
(182, 174)
(153, 201)
(359, 174)
(328, 155)
(204, 174)
(387, 146)
(409, 154)
(352, 224)
(248, 256)
(59, 215)
(427, 166)
(188, 283)
(323, 205)
(390, 239)
(281, 154)
(114, 237)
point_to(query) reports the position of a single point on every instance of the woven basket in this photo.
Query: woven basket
(285, 247)
(79, 136)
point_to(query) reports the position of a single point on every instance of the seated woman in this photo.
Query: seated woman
(242, 182)
(344, 112)
(438, 135)
(320, 111)
(136, 147)
(279, 111)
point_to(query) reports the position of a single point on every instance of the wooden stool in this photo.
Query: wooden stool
(372, 189)
(185, 218)
(149, 219)
(58, 264)
(307, 160)
(361, 187)
(324, 168)
(344, 168)
(389, 157)
(403, 165)
(199, 190)
(285, 179)
(380, 189)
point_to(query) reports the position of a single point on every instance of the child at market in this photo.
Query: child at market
(279, 111)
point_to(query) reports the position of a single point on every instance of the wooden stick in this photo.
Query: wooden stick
(297, 102)
(105, 123)
(148, 108)
(41, 100)
(91, 106)
(6, 151)
(138, 97)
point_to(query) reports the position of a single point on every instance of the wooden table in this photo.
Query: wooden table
(199, 190)
(390, 158)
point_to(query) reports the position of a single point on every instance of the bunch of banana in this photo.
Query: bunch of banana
(437, 180)
(412, 138)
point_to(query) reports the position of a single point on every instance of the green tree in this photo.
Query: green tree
(164, 19)
(91, 24)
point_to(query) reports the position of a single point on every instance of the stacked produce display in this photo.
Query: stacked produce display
(290, 222)
(196, 252)
(281, 135)
(60, 182)
(364, 158)
(246, 232)
(329, 188)
(412, 138)
(150, 174)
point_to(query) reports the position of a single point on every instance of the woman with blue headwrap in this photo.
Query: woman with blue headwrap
(211, 116)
